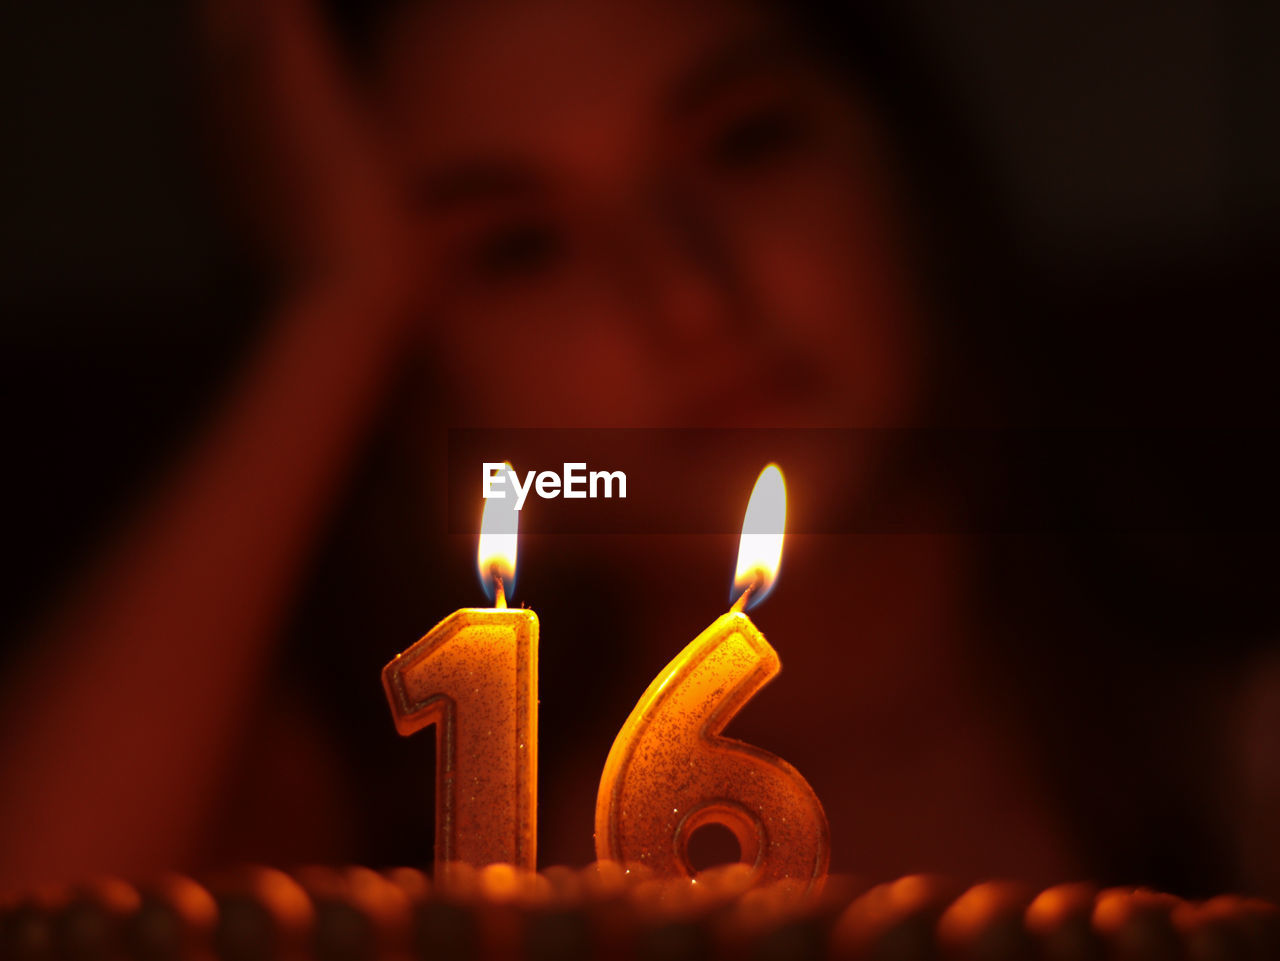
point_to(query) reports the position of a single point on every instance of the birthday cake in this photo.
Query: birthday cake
(604, 911)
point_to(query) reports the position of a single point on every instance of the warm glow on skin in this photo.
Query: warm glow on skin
(535, 137)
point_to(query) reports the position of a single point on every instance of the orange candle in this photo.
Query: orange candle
(671, 771)
(475, 677)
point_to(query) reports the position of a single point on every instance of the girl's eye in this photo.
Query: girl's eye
(756, 138)
(518, 249)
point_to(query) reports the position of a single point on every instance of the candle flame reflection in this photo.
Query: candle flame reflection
(496, 555)
(760, 550)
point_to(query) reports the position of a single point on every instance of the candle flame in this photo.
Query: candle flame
(496, 555)
(760, 550)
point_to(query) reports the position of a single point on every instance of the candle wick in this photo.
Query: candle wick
(499, 594)
(745, 597)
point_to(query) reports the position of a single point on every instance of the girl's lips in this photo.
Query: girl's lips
(751, 396)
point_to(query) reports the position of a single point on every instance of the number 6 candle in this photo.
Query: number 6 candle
(475, 677)
(671, 771)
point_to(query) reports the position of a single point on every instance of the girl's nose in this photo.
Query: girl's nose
(679, 272)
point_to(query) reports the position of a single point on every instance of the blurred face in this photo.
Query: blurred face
(647, 213)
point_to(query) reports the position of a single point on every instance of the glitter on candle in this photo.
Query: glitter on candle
(672, 771)
(474, 677)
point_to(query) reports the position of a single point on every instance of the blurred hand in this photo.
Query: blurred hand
(297, 150)
(216, 554)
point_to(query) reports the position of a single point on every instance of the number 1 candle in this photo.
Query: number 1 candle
(475, 677)
(671, 771)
